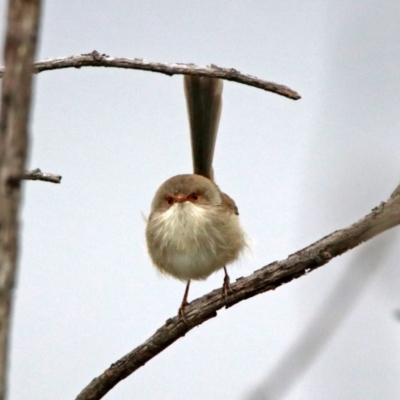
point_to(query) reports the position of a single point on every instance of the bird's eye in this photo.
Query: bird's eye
(194, 196)
(169, 200)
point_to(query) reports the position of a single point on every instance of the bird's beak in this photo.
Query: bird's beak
(180, 198)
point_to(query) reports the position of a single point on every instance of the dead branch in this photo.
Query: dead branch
(95, 59)
(37, 175)
(321, 329)
(19, 50)
(382, 218)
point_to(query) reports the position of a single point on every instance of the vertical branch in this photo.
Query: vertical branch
(19, 50)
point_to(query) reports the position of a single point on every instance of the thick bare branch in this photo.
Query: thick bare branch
(382, 218)
(37, 175)
(19, 50)
(95, 59)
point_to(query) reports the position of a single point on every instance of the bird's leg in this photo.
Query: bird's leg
(181, 311)
(226, 287)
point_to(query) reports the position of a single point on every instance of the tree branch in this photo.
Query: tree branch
(95, 59)
(37, 175)
(382, 218)
(19, 50)
(333, 310)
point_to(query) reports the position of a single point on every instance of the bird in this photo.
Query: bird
(193, 229)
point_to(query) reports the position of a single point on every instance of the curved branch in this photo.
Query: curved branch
(37, 175)
(95, 59)
(382, 218)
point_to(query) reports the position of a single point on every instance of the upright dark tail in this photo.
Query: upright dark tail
(204, 104)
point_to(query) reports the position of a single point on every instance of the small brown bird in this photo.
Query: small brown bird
(193, 229)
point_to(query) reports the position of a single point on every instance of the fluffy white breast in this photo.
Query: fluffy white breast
(183, 226)
(191, 240)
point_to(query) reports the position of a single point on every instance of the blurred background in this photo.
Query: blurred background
(87, 293)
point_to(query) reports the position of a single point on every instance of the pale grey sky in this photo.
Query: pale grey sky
(87, 293)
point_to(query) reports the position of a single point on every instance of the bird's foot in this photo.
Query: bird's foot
(181, 311)
(226, 287)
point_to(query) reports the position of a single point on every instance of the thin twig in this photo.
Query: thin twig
(19, 50)
(95, 59)
(37, 175)
(382, 218)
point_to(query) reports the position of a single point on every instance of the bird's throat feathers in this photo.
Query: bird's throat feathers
(184, 225)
